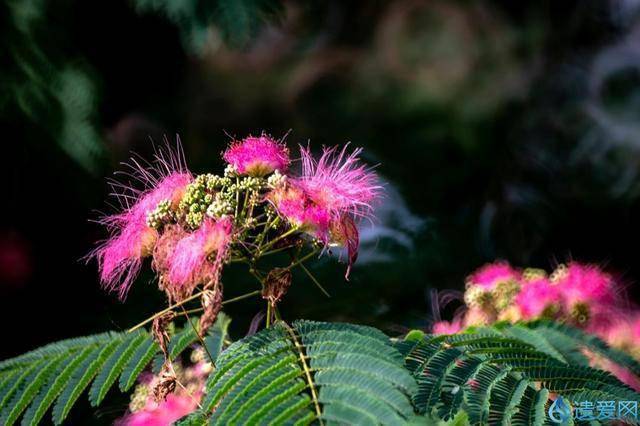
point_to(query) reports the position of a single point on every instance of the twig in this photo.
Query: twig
(315, 281)
(195, 296)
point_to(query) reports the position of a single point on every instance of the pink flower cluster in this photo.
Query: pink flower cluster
(257, 156)
(579, 294)
(187, 225)
(120, 256)
(144, 410)
(328, 197)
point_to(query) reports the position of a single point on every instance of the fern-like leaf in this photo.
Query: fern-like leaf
(57, 374)
(310, 372)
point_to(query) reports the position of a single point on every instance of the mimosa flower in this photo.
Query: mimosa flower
(446, 327)
(120, 256)
(329, 196)
(538, 297)
(491, 274)
(199, 256)
(339, 183)
(257, 156)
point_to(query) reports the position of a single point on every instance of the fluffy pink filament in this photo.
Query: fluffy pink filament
(257, 156)
(446, 327)
(190, 264)
(492, 273)
(339, 182)
(293, 204)
(165, 413)
(587, 284)
(120, 256)
(537, 295)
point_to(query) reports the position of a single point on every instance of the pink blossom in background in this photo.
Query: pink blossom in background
(492, 273)
(145, 411)
(536, 295)
(16, 264)
(120, 256)
(164, 413)
(588, 284)
(257, 156)
(446, 327)
(190, 264)
(338, 182)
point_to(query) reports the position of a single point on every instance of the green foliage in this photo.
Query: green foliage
(58, 374)
(306, 372)
(43, 88)
(323, 373)
(237, 20)
(503, 374)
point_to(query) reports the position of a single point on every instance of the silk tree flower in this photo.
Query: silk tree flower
(590, 295)
(538, 298)
(493, 287)
(491, 274)
(339, 183)
(328, 197)
(144, 410)
(120, 256)
(257, 156)
(199, 257)
(446, 327)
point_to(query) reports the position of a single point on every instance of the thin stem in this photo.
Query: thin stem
(268, 314)
(278, 238)
(195, 296)
(315, 281)
(278, 250)
(164, 311)
(299, 261)
(204, 346)
(258, 241)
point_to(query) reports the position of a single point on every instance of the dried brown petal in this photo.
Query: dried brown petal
(159, 330)
(212, 304)
(277, 283)
(166, 384)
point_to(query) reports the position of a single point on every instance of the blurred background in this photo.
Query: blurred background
(502, 130)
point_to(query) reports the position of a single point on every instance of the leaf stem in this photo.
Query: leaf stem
(188, 299)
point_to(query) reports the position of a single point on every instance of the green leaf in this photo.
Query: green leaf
(114, 366)
(309, 371)
(81, 380)
(49, 392)
(145, 352)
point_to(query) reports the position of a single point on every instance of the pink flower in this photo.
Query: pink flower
(328, 196)
(586, 284)
(164, 413)
(257, 156)
(493, 273)
(338, 183)
(537, 295)
(120, 256)
(190, 262)
(294, 205)
(446, 327)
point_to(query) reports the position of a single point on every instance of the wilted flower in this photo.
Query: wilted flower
(120, 256)
(257, 156)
